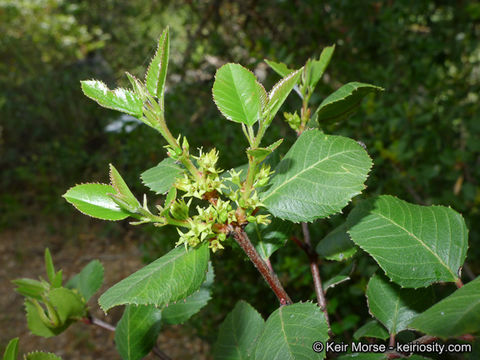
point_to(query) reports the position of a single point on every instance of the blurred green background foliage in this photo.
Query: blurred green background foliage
(423, 132)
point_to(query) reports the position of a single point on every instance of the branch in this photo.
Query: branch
(317, 280)
(268, 274)
(90, 320)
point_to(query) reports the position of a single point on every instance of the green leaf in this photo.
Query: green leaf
(183, 310)
(39, 355)
(137, 331)
(372, 329)
(57, 279)
(317, 178)
(30, 287)
(69, 304)
(290, 332)
(395, 307)
(89, 280)
(122, 190)
(259, 153)
(238, 95)
(415, 245)
(239, 333)
(119, 99)
(170, 278)
(457, 314)
(280, 92)
(37, 326)
(161, 177)
(11, 351)
(93, 200)
(334, 281)
(157, 70)
(314, 69)
(279, 67)
(343, 102)
(337, 245)
(50, 269)
(269, 238)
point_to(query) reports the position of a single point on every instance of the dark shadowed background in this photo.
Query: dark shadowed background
(423, 132)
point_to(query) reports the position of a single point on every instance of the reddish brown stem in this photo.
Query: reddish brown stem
(459, 283)
(392, 340)
(317, 280)
(268, 274)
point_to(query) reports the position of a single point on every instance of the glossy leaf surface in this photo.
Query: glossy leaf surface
(372, 329)
(337, 245)
(415, 245)
(290, 332)
(93, 200)
(119, 99)
(157, 70)
(457, 314)
(239, 333)
(170, 278)
(317, 178)
(183, 310)
(238, 95)
(161, 177)
(280, 92)
(137, 331)
(344, 101)
(393, 306)
(279, 67)
(89, 280)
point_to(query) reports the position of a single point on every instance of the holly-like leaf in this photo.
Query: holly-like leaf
(89, 280)
(238, 95)
(239, 333)
(337, 245)
(157, 70)
(372, 329)
(119, 99)
(183, 310)
(11, 351)
(40, 355)
(317, 178)
(161, 177)
(415, 245)
(170, 278)
(279, 67)
(393, 306)
(343, 102)
(280, 92)
(94, 200)
(290, 332)
(457, 314)
(137, 331)
(269, 238)
(314, 69)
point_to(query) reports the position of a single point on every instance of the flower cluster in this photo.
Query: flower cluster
(209, 180)
(211, 223)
